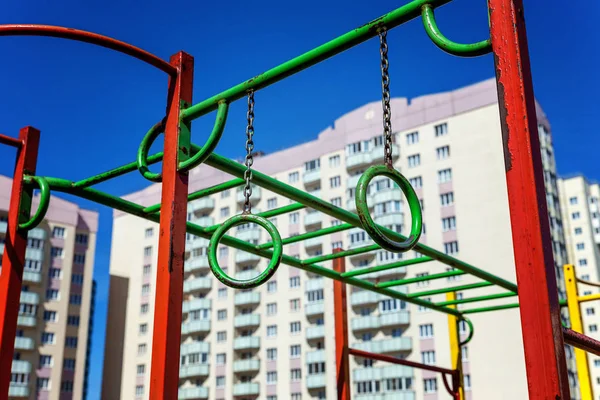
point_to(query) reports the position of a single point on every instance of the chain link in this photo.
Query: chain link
(385, 97)
(249, 149)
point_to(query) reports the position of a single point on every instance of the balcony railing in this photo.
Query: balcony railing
(247, 298)
(196, 264)
(315, 332)
(246, 343)
(203, 204)
(315, 381)
(249, 365)
(195, 326)
(246, 320)
(23, 343)
(195, 347)
(398, 318)
(314, 308)
(313, 176)
(399, 344)
(202, 283)
(246, 389)
(189, 393)
(196, 304)
(193, 370)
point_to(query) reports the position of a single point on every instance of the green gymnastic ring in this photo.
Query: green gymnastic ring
(471, 330)
(263, 276)
(40, 213)
(367, 221)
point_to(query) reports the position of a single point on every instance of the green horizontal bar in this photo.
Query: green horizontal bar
(398, 264)
(345, 253)
(269, 183)
(65, 186)
(309, 235)
(451, 289)
(478, 298)
(390, 20)
(424, 278)
(203, 193)
(491, 308)
(115, 172)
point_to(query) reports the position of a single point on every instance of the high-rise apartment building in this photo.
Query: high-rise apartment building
(581, 212)
(51, 351)
(277, 341)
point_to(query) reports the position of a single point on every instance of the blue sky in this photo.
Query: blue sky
(93, 106)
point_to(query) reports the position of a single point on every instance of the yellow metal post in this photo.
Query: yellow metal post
(583, 372)
(455, 350)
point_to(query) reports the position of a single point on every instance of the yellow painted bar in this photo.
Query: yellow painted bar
(589, 297)
(583, 372)
(455, 350)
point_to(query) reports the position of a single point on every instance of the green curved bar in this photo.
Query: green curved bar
(471, 331)
(40, 213)
(211, 142)
(362, 209)
(142, 154)
(441, 41)
(273, 263)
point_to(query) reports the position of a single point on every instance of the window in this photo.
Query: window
(412, 138)
(294, 217)
(442, 152)
(391, 305)
(47, 338)
(467, 382)
(73, 320)
(596, 363)
(580, 246)
(295, 327)
(295, 374)
(272, 286)
(312, 165)
(148, 251)
(334, 161)
(45, 361)
(441, 129)
(582, 262)
(221, 336)
(225, 194)
(43, 383)
(573, 200)
(414, 160)
(430, 385)
(578, 231)
(271, 308)
(222, 293)
(295, 351)
(50, 316)
(295, 282)
(35, 243)
(52, 294)
(271, 377)
(358, 237)
(272, 397)
(464, 352)
(357, 147)
(71, 342)
(220, 381)
(69, 364)
(81, 238)
(593, 328)
(451, 247)
(271, 330)
(294, 304)
(221, 315)
(145, 289)
(337, 245)
(335, 222)
(149, 232)
(55, 273)
(271, 354)
(387, 207)
(79, 258)
(315, 295)
(221, 358)
(444, 175)
(57, 252)
(590, 311)
(67, 386)
(58, 232)
(416, 182)
(336, 201)
(585, 277)
(224, 212)
(336, 181)
(422, 283)
(144, 308)
(575, 215)
(272, 203)
(296, 396)
(426, 331)
(75, 299)
(293, 177)
(143, 329)
(316, 368)
(447, 198)
(448, 224)
(428, 357)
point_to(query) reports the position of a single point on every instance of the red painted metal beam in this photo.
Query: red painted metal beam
(166, 340)
(581, 341)
(87, 37)
(399, 361)
(538, 293)
(341, 331)
(15, 245)
(10, 141)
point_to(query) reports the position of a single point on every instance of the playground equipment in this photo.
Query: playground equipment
(543, 335)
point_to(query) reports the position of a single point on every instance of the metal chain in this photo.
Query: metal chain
(385, 97)
(249, 149)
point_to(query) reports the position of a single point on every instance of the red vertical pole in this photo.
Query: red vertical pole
(14, 251)
(341, 331)
(164, 374)
(538, 293)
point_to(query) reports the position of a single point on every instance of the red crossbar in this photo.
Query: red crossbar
(581, 341)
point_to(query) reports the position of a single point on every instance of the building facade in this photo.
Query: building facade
(277, 341)
(51, 355)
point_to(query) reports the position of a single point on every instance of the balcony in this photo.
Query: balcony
(3, 226)
(352, 181)
(399, 344)
(314, 308)
(357, 160)
(249, 234)
(32, 254)
(29, 298)
(254, 198)
(315, 332)
(196, 264)
(196, 242)
(18, 390)
(246, 389)
(386, 320)
(364, 240)
(196, 304)
(202, 283)
(314, 284)
(189, 393)
(247, 298)
(193, 370)
(365, 297)
(313, 243)
(310, 177)
(379, 373)
(250, 365)
(315, 381)
(398, 395)
(203, 204)
(246, 343)
(23, 343)
(195, 347)
(26, 320)
(32, 276)
(20, 367)
(315, 356)
(203, 221)
(241, 257)
(246, 320)
(351, 204)
(385, 195)
(191, 327)
(389, 218)
(37, 233)
(313, 219)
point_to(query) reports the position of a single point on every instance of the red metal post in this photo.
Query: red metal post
(14, 251)
(536, 278)
(341, 331)
(164, 378)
